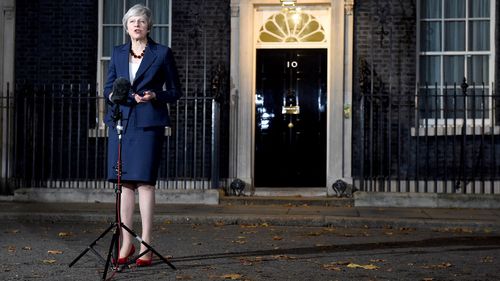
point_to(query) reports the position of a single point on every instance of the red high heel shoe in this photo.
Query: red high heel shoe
(144, 262)
(141, 262)
(124, 260)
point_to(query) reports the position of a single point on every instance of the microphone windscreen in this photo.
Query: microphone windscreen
(121, 88)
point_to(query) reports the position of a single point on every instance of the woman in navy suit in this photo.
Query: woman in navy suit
(151, 70)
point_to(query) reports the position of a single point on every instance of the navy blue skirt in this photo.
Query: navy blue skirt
(141, 151)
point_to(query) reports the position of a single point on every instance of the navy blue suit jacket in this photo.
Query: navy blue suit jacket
(157, 69)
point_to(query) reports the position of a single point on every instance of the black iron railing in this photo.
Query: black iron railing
(54, 136)
(438, 140)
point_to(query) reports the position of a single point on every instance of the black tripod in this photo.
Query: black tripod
(117, 225)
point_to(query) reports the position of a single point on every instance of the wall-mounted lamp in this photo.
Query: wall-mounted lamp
(286, 3)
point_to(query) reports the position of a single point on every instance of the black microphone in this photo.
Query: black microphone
(121, 88)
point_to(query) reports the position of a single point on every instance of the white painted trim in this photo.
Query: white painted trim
(491, 53)
(243, 50)
(7, 77)
(335, 124)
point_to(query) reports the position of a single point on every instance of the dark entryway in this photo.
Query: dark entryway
(290, 112)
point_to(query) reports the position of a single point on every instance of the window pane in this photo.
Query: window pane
(430, 70)
(479, 9)
(112, 36)
(160, 35)
(453, 70)
(113, 11)
(430, 35)
(478, 70)
(159, 8)
(430, 9)
(479, 35)
(131, 3)
(454, 36)
(454, 8)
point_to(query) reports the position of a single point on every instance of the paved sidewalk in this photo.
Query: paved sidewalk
(275, 214)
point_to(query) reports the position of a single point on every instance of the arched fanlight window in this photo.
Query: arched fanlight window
(291, 26)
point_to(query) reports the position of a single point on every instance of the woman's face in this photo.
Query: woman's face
(137, 27)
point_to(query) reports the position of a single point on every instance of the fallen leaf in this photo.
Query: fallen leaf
(167, 222)
(282, 257)
(365, 266)
(277, 238)
(454, 229)
(27, 248)
(65, 234)
(232, 276)
(443, 265)
(54, 252)
(329, 229)
(12, 231)
(250, 261)
(183, 277)
(210, 267)
(49, 261)
(487, 259)
(407, 229)
(219, 223)
(264, 224)
(377, 260)
(248, 225)
(332, 267)
(314, 233)
(428, 279)
(239, 241)
(245, 261)
(11, 249)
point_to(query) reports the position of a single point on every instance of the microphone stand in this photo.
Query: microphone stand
(117, 225)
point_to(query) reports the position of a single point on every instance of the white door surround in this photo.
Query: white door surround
(246, 19)
(7, 48)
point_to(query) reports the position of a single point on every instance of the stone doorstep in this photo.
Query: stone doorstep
(71, 195)
(287, 200)
(426, 200)
(215, 197)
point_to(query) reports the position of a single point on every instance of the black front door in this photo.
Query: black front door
(290, 112)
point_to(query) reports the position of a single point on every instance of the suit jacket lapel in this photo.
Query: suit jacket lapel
(147, 60)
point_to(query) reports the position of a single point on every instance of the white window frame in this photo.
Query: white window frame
(431, 122)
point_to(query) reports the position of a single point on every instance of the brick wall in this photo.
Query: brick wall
(200, 40)
(56, 41)
(385, 44)
(201, 44)
(385, 37)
